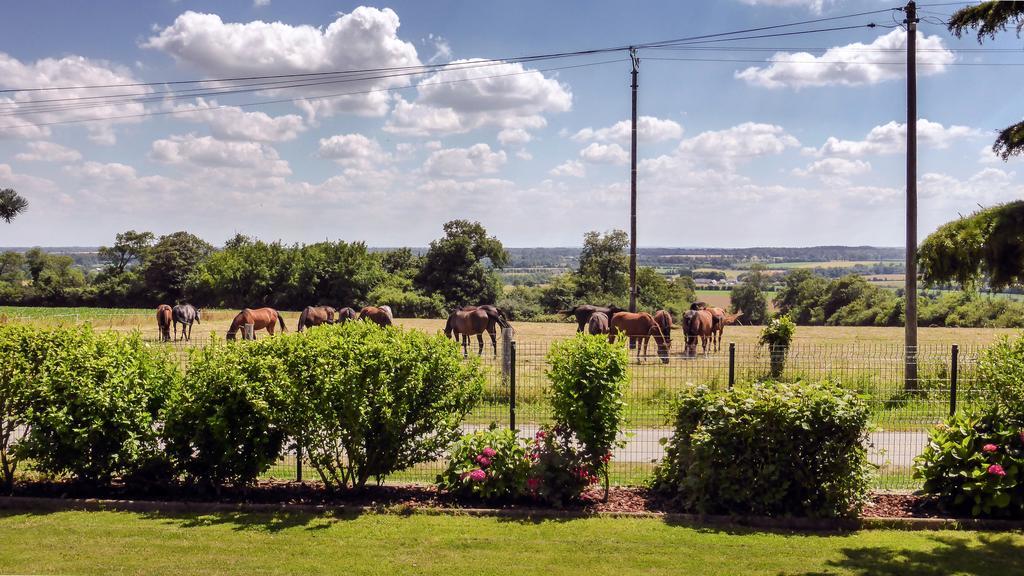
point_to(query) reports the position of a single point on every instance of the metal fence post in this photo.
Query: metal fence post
(732, 364)
(298, 462)
(512, 386)
(954, 369)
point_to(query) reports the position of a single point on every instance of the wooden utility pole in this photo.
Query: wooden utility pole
(910, 284)
(632, 189)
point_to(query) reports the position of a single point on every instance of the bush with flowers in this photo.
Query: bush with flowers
(490, 464)
(562, 470)
(771, 449)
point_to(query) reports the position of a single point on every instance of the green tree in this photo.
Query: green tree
(604, 266)
(171, 260)
(11, 204)
(130, 248)
(748, 296)
(11, 264)
(800, 296)
(657, 292)
(461, 265)
(402, 262)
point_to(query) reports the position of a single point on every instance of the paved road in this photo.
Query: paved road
(897, 449)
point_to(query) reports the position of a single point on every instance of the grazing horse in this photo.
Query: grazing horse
(584, 311)
(598, 323)
(495, 315)
(315, 316)
(163, 321)
(380, 316)
(466, 323)
(639, 326)
(260, 318)
(719, 320)
(697, 323)
(346, 314)
(185, 314)
(664, 320)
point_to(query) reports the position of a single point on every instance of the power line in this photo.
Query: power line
(900, 63)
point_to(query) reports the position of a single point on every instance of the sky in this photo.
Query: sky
(785, 141)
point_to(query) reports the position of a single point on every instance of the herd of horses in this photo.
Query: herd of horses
(701, 323)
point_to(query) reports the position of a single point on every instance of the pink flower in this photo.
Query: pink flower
(483, 461)
(1021, 436)
(540, 434)
(532, 484)
(489, 452)
(989, 448)
(478, 475)
(996, 470)
(606, 458)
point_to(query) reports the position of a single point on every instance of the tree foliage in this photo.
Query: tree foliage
(11, 204)
(987, 244)
(748, 296)
(604, 266)
(461, 265)
(171, 260)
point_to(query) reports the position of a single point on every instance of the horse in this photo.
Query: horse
(664, 320)
(598, 323)
(315, 316)
(639, 326)
(697, 323)
(584, 311)
(345, 314)
(495, 315)
(260, 318)
(185, 314)
(466, 323)
(380, 316)
(163, 321)
(719, 320)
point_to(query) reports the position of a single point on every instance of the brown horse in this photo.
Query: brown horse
(164, 317)
(495, 315)
(584, 311)
(598, 323)
(697, 324)
(719, 320)
(260, 318)
(380, 316)
(639, 326)
(315, 316)
(664, 320)
(466, 323)
(345, 314)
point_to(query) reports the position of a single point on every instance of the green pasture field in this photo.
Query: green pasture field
(393, 544)
(829, 264)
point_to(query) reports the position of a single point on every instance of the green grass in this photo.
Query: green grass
(134, 543)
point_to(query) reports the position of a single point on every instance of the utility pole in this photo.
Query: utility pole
(632, 189)
(910, 284)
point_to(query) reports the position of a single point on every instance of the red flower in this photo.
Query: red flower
(532, 484)
(489, 452)
(996, 470)
(478, 475)
(483, 461)
(989, 448)
(606, 457)
(1021, 436)
(540, 434)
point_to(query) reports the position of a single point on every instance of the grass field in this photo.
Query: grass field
(829, 264)
(134, 543)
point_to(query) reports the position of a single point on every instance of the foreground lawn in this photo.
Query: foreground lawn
(130, 543)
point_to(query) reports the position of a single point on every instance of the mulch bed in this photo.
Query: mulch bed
(624, 500)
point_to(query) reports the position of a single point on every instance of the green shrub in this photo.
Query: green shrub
(777, 336)
(18, 371)
(588, 379)
(1001, 370)
(370, 401)
(975, 463)
(226, 423)
(490, 464)
(773, 449)
(95, 403)
(561, 469)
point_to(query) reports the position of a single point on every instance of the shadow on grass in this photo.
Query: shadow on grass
(262, 521)
(992, 554)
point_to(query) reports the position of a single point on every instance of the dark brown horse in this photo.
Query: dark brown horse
(315, 316)
(640, 327)
(719, 320)
(466, 323)
(164, 317)
(260, 318)
(380, 316)
(598, 323)
(664, 320)
(495, 314)
(185, 314)
(584, 311)
(346, 314)
(697, 324)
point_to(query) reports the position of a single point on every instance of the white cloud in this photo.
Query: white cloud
(648, 129)
(597, 153)
(814, 6)
(464, 162)
(524, 155)
(66, 71)
(233, 123)
(573, 168)
(834, 170)
(365, 39)
(891, 138)
(260, 3)
(465, 95)
(43, 151)
(353, 150)
(25, 184)
(744, 140)
(442, 49)
(850, 65)
(255, 158)
(448, 187)
(514, 137)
